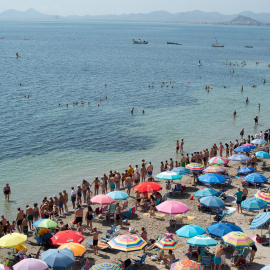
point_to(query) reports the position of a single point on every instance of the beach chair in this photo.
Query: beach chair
(177, 189)
(140, 261)
(206, 262)
(165, 197)
(124, 205)
(111, 211)
(131, 211)
(104, 209)
(158, 202)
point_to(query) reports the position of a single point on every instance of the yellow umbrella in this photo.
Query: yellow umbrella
(12, 240)
(77, 249)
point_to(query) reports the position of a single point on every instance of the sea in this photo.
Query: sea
(46, 147)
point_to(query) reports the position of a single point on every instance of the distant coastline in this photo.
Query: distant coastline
(246, 18)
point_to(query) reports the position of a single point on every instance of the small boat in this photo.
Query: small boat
(217, 45)
(250, 47)
(174, 43)
(178, 44)
(139, 41)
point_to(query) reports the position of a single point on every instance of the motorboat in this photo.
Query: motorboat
(250, 47)
(174, 43)
(139, 41)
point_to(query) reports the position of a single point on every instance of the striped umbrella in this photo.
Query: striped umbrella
(264, 196)
(205, 192)
(238, 239)
(127, 243)
(195, 167)
(185, 265)
(214, 169)
(255, 178)
(260, 220)
(166, 244)
(105, 266)
(181, 170)
(262, 154)
(217, 161)
(202, 241)
(253, 204)
(169, 175)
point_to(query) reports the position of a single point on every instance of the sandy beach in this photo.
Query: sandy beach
(157, 226)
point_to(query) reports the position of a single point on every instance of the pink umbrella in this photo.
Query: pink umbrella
(3, 267)
(172, 208)
(102, 199)
(30, 264)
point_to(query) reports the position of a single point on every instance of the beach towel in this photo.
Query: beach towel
(263, 243)
(156, 215)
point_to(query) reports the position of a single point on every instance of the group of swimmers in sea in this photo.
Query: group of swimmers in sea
(76, 103)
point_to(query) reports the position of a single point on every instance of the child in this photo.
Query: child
(95, 239)
(241, 262)
(80, 228)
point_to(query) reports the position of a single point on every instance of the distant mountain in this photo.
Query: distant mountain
(196, 16)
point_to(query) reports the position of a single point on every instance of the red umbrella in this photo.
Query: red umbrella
(148, 187)
(66, 237)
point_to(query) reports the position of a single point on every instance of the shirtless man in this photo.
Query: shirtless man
(118, 215)
(95, 239)
(112, 183)
(150, 169)
(168, 259)
(217, 260)
(30, 215)
(4, 223)
(61, 203)
(183, 161)
(105, 177)
(117, 178)
(215, 149)
(96, 183)
(129, 183)
(79, 215)
(36, 212)
(65, 195)
(171, 164)
(79, 194)
(182, 146)
(25, 225)
(19, 219)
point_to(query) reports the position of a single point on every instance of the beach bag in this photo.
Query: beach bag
(248, 257)
(74, 221)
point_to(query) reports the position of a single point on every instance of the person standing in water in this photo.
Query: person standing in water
(7, 191)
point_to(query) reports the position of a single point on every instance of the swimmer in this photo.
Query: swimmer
(98, 105)
(132, 110)
(105, 85)
(106, 97)
(247, 100)
(259, 106)
(142, 111)
(88, 103)
(242, 88)
(234, 113)
(66, 105)
(17, 55)
(20, 84)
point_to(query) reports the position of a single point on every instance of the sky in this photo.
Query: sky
(104, 7)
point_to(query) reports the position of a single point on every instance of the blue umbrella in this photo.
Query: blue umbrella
(262, 154)
(58, 259)
(181, 170)
(260, 220)
(169, 175)
(222, 228)
(255, 178)
(189, 231)
(118, 195)
(242, 149)
(205, 192)
(212, 202)
(246, 170)
(37, 222)
(239, 157)
(253, 204)
(212, 178)
(202, 241)
(259, 141)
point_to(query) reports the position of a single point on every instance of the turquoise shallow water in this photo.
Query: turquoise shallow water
(46, 147)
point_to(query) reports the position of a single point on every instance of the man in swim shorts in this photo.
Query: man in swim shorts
(112, 182)
(150, 169)
(129, 183)
(73, 196)
(118, 215)
(217, 259)
(30, 215)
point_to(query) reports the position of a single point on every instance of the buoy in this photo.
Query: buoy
(191, 197)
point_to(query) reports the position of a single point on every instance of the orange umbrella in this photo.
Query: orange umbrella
(77, 249)
(185, 265)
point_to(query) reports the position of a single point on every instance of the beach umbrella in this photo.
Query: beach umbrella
(202, 241)
(118, 195)
(217, 161)
(148, 187)
(259, 141)
(264, 196)
(105, 266)
(77, 248)
(239, 157)
(30, 264)
(12, 240)
(169, 175)
(172, 207)
(255, 178)
(220, 229)
(189, 231)
(238, 239)
(127, 243)
(195, 166)
(260, 220)
(214, 169)
(45, 223)
(102, 199)
(205, 192)
(253, 204)
(242, 149)
(181, 170)
(251, 146)
(212, 202)
(185, 265)
(67, 236)
(166, 244)
(58, 258)
(262, 154)
(246, 170)
(212, 178)
(4, 267)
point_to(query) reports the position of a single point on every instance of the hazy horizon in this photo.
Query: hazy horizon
(117, 7)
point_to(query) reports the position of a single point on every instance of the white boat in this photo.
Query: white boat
(217, 45)
(139, 41)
